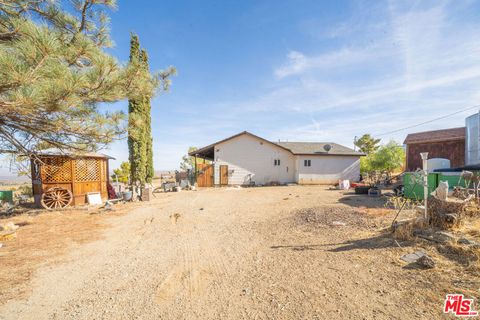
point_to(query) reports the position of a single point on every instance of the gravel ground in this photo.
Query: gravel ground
(255, 253)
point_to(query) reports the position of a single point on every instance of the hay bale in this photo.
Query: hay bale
(446, 214)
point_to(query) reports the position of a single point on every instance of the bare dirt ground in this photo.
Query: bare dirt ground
(259, 253)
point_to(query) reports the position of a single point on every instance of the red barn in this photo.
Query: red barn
(446, 143)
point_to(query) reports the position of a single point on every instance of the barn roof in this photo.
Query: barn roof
(301, 148)
(436, 136)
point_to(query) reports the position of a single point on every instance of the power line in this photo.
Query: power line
(429, 121)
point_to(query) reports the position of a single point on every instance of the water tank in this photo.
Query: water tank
(472, 154)
(437, 163)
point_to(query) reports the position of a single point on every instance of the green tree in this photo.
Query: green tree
(149, 171)
(188, 162)
(389, 157)
(136, 126)
(367, 144)
(54, 73)
(140, 142)
(122, 173)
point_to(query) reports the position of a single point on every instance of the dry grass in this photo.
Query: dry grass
(15, 186)
(374, 212)
(404, 231)
(397, 202)
(271, 238)
(42, 240)
(467, 256)
(471, 227)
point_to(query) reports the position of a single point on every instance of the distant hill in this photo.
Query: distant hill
(4, 180)
(159, 173)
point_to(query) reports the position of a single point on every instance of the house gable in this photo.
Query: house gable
(250, 158)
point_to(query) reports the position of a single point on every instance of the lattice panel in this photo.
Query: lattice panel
(56, 169)
(87, 170)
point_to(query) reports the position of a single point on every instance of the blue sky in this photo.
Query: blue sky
(301, 70)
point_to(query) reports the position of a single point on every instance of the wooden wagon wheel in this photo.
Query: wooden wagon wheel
(56, 198)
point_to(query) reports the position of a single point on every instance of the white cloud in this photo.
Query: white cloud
(421, 56)
(298, 63)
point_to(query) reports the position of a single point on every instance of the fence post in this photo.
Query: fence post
(424, 156)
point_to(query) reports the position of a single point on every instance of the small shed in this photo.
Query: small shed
(60, 180)
(446, 143)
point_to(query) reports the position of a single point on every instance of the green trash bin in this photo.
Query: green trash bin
(6, 196)
(453, 178)
(413, 187)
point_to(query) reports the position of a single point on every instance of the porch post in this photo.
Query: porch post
(195, 175)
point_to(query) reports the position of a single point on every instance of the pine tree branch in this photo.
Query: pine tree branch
(86, 5)
(50, 85)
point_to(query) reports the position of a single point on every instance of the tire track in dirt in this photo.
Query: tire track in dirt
(168, 288)
(219, 273)
(223, 273)
(191, 275)
(192, 270)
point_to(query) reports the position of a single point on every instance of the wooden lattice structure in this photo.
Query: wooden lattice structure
(60, 180)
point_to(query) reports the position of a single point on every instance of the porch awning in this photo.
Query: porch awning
(207, 153)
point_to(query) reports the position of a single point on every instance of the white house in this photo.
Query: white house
(245, 159)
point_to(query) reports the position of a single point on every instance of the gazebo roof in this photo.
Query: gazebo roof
(62, 153)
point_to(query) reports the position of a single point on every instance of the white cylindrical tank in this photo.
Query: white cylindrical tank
(437, 163)
(472, 154)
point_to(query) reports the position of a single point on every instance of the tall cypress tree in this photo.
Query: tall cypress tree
(149, 170)
(136, 126)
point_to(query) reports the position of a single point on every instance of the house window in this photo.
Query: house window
(276, 162)
(307, 163)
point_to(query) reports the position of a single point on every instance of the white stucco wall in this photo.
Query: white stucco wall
(247, 155)
(327, 169)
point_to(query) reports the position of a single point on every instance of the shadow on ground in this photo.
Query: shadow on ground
(363, 200)
(301, 247)
(20, 209)
(381, 241)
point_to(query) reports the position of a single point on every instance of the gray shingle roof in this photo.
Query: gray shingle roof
(318, 148)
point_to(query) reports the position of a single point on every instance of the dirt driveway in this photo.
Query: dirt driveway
(260, 253)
